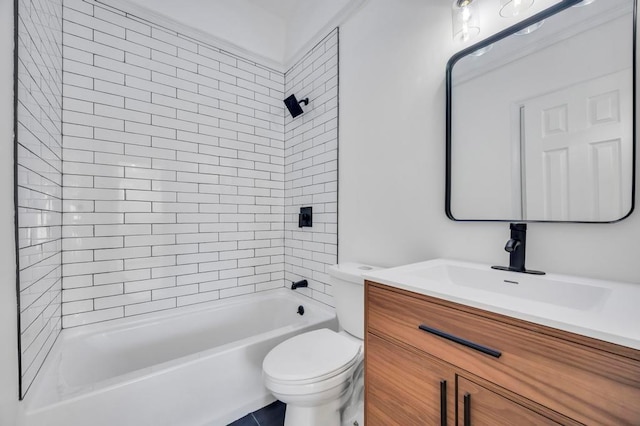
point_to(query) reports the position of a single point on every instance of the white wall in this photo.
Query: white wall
(392, 154)
(8, 314)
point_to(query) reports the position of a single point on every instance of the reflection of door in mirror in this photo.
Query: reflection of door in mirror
(574, 140)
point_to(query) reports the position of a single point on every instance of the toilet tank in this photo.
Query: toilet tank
(348, 295)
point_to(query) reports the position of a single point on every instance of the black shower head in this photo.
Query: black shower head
(293, 105)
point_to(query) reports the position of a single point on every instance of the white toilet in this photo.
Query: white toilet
(319, 374)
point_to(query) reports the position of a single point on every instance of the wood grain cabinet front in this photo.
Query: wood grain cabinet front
(501, 369)
(407, 387)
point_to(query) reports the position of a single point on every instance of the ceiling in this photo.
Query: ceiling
(284, 9)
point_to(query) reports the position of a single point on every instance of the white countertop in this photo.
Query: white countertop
(604, 310)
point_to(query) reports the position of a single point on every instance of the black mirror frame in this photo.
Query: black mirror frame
(563, 5)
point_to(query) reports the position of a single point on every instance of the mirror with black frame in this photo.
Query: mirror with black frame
(540, 118)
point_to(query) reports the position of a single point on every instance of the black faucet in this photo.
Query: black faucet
(516, 247)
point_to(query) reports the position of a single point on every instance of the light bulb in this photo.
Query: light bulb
(511, 8)
(517, 4)
(464, 15)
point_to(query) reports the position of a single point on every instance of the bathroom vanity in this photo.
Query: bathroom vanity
(433, 358)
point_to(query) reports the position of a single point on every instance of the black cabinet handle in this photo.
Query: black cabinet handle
(460, 340)
(467, 409)
(443, 403)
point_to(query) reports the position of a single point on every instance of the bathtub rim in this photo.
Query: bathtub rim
(142, 319)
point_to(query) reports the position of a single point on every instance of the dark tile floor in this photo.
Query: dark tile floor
(271, 415)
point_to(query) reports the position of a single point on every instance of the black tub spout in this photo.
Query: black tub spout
(301, 283)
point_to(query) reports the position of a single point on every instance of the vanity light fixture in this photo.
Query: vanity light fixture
(466, 24)
(513, 8)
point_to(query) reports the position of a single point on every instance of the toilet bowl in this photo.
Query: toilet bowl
(318, 374)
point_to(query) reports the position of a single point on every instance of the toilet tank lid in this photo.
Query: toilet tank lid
(351, 271)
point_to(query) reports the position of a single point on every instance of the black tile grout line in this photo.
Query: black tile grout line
(42, 77)
(48, 241)
(38, 59)
(39, 209)
(43, 329)
(23, 308)
(46, 355)
(39, 191)
(41, 263)
(58, 280)
(42, 110)
(40, 240)
(45, 187)
(44, 144)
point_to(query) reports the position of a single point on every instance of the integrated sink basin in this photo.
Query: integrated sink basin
(571, 294)
(600, 309)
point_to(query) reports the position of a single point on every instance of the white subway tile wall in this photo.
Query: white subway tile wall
(39, 180)
(168, 173)
(311, 169)
(174, 169)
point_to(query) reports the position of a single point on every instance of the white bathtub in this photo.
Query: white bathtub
(197, 366)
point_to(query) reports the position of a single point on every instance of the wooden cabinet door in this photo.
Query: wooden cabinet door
(478, 406)
(406, 387)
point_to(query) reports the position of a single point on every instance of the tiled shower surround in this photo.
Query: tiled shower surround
(311, 168)
(182, 176)
(39, 180)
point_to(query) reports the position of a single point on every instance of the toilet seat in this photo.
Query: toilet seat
(311, 357)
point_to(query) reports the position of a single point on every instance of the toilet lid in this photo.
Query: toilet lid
(310, 355)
